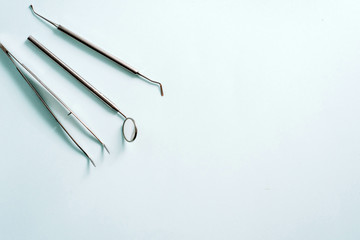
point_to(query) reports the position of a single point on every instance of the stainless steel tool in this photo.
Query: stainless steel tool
(17, 64)
(98, 49)
(96, 92)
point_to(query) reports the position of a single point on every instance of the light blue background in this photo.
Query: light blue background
(257, 136)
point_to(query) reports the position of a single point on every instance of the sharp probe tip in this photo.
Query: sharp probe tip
(161, 90)
(155, 82)
(32, 9)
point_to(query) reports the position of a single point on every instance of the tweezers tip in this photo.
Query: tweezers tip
(88, 157)
(106, 149)
(92, 162)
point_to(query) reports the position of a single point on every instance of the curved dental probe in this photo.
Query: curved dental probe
(15, 61)
(99, 50)
(96, 92)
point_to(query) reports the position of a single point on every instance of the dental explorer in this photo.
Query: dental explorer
(97, 49)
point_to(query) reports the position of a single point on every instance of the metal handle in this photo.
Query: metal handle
(75, 74)
(96, 48)
(99, 50)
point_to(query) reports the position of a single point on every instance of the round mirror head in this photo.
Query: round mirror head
(129, 130)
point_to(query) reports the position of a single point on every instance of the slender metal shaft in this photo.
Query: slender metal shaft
(62, 103)
(99, 50)
(12, 58)
(59, 100)
(75, 75)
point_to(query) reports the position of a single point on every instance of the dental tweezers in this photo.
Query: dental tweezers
(97, 49)
(16, 63)
(96, 92)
